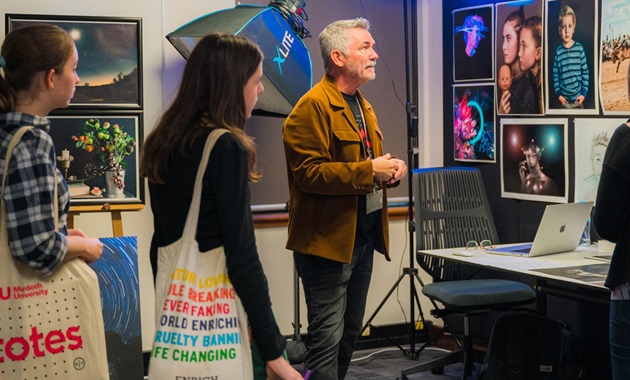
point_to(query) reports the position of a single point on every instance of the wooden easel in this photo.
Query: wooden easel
(114, 210)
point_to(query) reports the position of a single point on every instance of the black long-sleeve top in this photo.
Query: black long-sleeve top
(524, 98)
(225, 219)
(611, 216)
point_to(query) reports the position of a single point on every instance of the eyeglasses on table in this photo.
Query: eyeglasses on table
(484, 244)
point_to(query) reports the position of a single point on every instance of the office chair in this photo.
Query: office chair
(451, 209)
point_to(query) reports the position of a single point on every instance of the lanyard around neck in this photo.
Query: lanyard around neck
(355, 104)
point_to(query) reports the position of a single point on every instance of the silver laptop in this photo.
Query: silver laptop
(560, 230)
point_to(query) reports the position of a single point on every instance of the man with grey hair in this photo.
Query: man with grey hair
(338, 178)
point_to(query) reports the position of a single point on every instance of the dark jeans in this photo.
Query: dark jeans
(335, 295)
(620, 339)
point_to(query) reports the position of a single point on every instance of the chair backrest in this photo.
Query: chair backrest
(451, 208)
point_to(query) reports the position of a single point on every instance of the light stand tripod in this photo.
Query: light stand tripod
(411, 75)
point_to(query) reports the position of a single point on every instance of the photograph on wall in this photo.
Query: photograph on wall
(473, 123)
(519, 59)
(615, 57)
(98, 156)
(110, 58)
(117, 273)
(473, 44)
(534, 159)
(591, 137)
(571, 57)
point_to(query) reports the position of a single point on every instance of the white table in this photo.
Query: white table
(568, 274)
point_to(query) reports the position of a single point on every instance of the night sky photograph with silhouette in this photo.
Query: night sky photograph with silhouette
(109, 56)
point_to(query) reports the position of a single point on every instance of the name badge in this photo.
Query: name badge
(374, 201)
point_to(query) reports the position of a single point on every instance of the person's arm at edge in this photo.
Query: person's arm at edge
(612, 192)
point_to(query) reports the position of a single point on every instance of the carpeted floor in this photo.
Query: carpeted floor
(388, 364)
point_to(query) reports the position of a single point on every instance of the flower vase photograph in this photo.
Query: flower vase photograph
(111, 145)
(98, 156)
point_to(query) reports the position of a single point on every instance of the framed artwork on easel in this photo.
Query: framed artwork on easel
(89, 145)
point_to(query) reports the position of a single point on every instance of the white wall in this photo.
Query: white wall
(430, 67)
(162, 68)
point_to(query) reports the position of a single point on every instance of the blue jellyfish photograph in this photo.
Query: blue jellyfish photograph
(473, 44)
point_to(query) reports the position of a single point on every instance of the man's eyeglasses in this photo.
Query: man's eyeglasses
(484, 244)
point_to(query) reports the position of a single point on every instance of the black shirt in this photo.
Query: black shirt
(611, 216)
(224, 219)
(365, 222)
(524, 98)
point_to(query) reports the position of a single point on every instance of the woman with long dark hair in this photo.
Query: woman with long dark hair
(220, 87)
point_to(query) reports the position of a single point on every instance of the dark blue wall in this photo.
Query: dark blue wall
(516, 220)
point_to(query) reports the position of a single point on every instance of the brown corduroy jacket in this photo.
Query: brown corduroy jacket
(327, 171)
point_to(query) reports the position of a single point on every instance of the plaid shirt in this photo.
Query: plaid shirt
(28, 194)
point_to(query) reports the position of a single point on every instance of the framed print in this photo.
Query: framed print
(83, 143)
(117, 273)
(591, 137)
(473, 45)
(110, 58)
(534, 159)
(615, 58)
(571, 60)
(473, 123)
(519, 71)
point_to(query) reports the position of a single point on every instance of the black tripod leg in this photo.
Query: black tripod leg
(296, 309)
(380, 306)
(424, 323)
(296, 349)
(412, 272)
